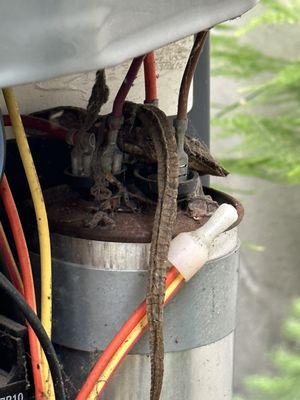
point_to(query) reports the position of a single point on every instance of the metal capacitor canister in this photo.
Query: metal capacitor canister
(98, 283)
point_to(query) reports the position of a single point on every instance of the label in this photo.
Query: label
(18, 396)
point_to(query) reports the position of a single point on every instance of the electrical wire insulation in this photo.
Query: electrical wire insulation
(126, 86)
(9, 262)
(2, 146)
(27, 280)
(56, 131)
(150, 78)
(122, 343)
(42, 224)
(188, 74)
(129, 342)
(40, 332)
(49, 129)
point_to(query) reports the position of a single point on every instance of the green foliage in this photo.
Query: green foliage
(237, 60)
(267, 118)
(292, 325)
(270, 147)
(284, 86)
(286, 384)
(253, 246)
(277, 12)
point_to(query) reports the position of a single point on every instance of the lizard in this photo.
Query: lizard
(84, 148)
(134, 140)
(164, 141)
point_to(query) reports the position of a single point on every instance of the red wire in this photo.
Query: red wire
(25, 264)
(150, 78)
(57, 131)
(61, 133)
(116, 342)
(9, 262)
(126, 86)
(54, 131)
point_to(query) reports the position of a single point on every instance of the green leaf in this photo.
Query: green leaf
(269, 148)
(288, 363)
(292, 329)
(253, 246)
(266, 119)
(238, 60)
(271, 386)
(277, 13)
(296, 308)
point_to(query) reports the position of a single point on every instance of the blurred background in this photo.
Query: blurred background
(256, 132)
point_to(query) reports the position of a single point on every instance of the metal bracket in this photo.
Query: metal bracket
(90, 305)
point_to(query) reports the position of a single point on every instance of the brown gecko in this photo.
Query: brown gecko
(135, 140)
(167, 176)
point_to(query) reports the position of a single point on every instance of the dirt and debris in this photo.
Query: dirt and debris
(68, 214)
(112, 195)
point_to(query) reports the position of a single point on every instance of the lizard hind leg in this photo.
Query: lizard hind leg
(200, 205)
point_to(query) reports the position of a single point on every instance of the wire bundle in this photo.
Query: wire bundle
(41, 373)
(123, 342)
(132, 330)
(36, 325)
(25, 284)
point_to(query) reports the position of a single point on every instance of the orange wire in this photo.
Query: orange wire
(26, 271)
(116, 342)
(9, 261)
(150, 78)
(110, 374)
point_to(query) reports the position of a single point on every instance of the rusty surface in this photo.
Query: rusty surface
(68, 214)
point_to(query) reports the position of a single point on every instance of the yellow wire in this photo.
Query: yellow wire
(42, 224)
(125, 346)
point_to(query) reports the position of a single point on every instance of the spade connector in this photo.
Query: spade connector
(181, 126)
(111, 157)
(189, 251)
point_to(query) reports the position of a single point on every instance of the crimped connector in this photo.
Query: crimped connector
(189, 251)
(181, 126)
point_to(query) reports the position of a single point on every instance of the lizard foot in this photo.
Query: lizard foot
(99, 218)
(201, 206)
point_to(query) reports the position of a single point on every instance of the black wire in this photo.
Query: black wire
(2, 147)
(41, 334)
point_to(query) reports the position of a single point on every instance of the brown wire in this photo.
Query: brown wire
(189, 74)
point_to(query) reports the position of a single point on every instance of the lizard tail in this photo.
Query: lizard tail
(166, 211)
(157, 367)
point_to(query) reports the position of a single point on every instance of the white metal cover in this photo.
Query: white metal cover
(42, 39)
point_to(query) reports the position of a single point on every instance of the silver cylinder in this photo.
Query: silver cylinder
(96, 287)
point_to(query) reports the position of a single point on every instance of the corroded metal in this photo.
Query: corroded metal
(199, 357)
(68, 215)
